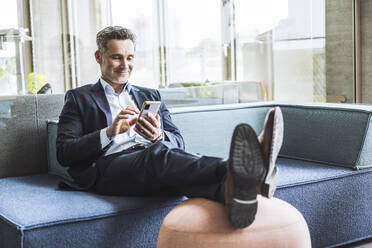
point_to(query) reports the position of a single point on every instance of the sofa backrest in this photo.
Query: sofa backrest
(23, 132)
(335, 134)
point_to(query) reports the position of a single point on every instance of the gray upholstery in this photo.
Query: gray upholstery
(329, 133)
(335, 134)
(22, 129)
(18, 130)
(54, 167)
(34, 214)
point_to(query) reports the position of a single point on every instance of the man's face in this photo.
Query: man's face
(117, 61)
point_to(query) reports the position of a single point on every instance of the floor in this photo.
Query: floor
(362, 244)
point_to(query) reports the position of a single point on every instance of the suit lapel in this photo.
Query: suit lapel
(100, 98)
(138, 96)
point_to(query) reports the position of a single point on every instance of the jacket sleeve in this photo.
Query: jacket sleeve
(171, 132)
(74, 145)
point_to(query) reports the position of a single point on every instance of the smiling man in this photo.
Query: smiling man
(110, 150)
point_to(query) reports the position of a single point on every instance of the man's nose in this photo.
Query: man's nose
(124, 64)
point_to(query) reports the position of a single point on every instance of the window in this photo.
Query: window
(8, 69)
(283, 47)
(196, 52)
(138, 16)
(194, 30)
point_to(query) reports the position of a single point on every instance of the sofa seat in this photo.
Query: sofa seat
(333, 192)
(33, 213)
(330, 198)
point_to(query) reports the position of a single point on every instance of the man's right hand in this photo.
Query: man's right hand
(122, 122)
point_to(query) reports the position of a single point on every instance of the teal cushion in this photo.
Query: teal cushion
(54, 167)
(207, 130)
(335, 134)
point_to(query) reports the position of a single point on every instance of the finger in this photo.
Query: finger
(154, 122)
(122, 116)
(147, 125)
(133, 121)
(143, 130)
(128, 111)
(134, 109)
(142, 133)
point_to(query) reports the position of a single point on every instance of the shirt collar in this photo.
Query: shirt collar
(108, 88)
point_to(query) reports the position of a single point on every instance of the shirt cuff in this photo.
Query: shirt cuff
(161, 137)
(104, 139)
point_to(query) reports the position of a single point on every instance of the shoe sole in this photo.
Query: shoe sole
(246, 166)
(269, 186)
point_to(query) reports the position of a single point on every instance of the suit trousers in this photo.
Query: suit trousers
(161, 169)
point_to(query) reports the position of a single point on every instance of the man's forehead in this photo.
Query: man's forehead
(120, 46)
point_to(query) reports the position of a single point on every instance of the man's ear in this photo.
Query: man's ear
(98, 57)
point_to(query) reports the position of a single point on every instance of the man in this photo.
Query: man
(109, 150)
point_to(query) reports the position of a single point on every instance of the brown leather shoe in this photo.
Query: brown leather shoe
(245, 175)
(271, 139)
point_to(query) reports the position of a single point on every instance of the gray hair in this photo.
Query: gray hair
(113, 33)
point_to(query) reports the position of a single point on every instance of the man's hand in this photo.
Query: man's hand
(149, 127)
(122, 122)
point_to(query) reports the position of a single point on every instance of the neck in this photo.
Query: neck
(118, 88)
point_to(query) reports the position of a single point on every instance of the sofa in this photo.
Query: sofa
(324, 171)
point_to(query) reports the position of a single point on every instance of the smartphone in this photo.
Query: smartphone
(149, 107)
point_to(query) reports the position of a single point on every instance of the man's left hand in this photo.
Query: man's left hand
(149, 127)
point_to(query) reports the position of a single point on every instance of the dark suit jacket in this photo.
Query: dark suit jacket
(86, 111)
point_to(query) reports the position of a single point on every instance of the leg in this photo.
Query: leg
(160, 169)
(271, 139)
(251, 168)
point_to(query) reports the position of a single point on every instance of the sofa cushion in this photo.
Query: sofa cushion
(335, 201)
(208, 129)
(335, 134)
(54, 167)
(34, 214)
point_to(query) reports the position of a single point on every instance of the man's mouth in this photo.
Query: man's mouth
(123, 72)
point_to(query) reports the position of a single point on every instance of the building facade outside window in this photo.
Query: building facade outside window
(209, 52)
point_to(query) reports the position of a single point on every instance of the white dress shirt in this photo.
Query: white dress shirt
(117, 103)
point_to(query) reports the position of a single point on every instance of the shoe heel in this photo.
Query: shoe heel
(242, 215)
(268, 190)
(269, 186)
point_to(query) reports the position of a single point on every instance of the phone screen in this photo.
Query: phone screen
(149, 107)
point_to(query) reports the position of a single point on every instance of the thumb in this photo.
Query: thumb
(133, 121)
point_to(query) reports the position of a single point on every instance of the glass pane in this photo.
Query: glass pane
(138, 17)
(8, 72)
(8, 14)
(49, 60)
(194, 31)
(88, 17)
(283, 47)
